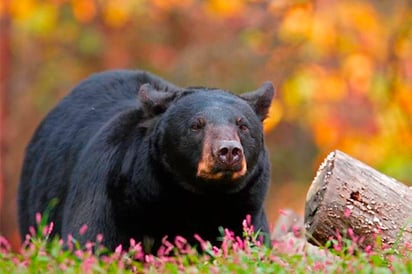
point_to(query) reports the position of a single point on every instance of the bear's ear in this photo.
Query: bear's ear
(154, 101)
(260, 99)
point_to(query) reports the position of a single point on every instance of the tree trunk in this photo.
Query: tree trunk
(346, 193)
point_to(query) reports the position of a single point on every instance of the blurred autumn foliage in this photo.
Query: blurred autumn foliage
(343, 71)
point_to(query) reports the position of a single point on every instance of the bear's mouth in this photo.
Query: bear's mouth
(215, 171)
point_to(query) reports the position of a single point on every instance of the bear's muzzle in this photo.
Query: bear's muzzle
(222, 155)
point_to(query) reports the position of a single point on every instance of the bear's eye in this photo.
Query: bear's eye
(241, 124)
(198, 124)
(243, 127)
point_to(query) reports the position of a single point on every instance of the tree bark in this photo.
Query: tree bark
(347, 193)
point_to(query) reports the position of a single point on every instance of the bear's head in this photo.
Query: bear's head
(209, 139)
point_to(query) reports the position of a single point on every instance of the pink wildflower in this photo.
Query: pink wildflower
(249, 219)
(149, 258)
(408, 246)
(368, 249)
(32, 231)
(259, 241)
(216, 250)
(225, 247)
(229, 234)
(215, 269)
(83, 229)
(318, 267)
(347, 212)
(353, 236)
(5, 246)
(70, 241)
(338, 236)
(235, 247)
(63, 266)
(240, 242)
(136, 249)
(248, 228)
(38, 218)
(47, 230)
(181, 244)
(27, 241)
(89, 246)
(203, 243)
(296, 231)
(291, 243)
(361, 240)
(118, 249)
(99, 238)
(79, 253)
(88, 264)
(179, 240)
(337, 247)
(166, 247)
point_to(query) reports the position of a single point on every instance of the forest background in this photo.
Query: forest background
(343, 72)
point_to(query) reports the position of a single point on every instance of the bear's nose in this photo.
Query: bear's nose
(230, 153)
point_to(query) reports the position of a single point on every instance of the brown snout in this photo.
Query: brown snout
(229, 154)
(222, 155)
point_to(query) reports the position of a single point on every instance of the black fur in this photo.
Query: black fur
(121, 157)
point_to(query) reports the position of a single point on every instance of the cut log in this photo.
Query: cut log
(348, 194)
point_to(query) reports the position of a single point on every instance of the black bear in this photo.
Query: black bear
(133, 156)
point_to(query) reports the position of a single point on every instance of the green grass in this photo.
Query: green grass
(236, 255)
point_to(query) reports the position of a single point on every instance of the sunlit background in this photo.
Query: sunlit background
(343, 72)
